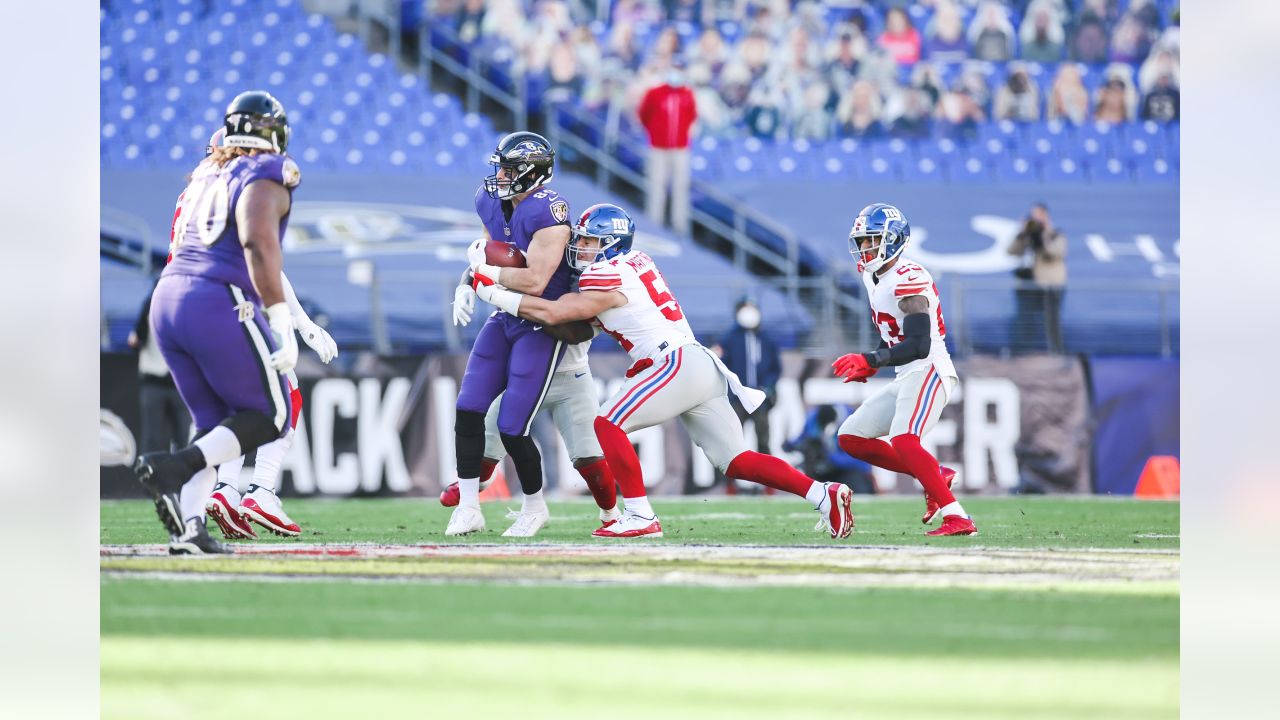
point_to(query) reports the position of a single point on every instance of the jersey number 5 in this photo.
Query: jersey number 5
(662, 298)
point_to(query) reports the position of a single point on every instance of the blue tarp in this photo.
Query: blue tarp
(1136, 412)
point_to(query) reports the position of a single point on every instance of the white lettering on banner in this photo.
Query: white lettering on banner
(992, 438)
(329, 398)
(993, 258)
(378, 436)
(298, 460)
(444, 399)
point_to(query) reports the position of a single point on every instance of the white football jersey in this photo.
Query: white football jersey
(651, 324)
(904, 279)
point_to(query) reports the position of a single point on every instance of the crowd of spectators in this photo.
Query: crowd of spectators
(843, 68)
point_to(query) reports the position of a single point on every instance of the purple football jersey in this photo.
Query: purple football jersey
(207, 240)
(543, 208)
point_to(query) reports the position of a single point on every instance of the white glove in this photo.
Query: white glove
(475, 252)
(317, 339)
(505, 300)
(281, 322)
(464, 302)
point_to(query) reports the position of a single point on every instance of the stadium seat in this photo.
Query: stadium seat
(1112, 170)
(970, 169)
(924, 170)
(1155, 169)
(1062, 170)
(1015, 170)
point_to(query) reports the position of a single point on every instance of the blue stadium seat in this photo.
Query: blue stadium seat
(1154, 169)
(970, 169)
(924, 170)
(1111, 170)
(1062, 170)
(1015, 170)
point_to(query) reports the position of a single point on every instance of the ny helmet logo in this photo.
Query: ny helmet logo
(619, 224)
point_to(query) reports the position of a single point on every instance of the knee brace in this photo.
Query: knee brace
(524, 453)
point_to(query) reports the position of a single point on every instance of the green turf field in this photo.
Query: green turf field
(1060, 608)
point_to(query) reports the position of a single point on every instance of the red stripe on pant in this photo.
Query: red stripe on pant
(679, 359)
(633, 390)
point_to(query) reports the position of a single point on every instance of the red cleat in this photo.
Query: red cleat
(931, 508)
(954, 525)
(449, 496)
(629, 526)
(836, 512)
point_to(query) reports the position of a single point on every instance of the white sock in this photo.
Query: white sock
(192, 496)
(953, 509)
(266, 469)
(534, 503)
(229, 472)
(817, 494)
(219, 445)
(639, 506)
(469, 492)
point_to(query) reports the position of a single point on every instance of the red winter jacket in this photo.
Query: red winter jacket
(668, 112)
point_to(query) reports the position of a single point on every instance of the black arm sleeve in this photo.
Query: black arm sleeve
(914, 346)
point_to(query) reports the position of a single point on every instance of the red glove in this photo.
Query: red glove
(479, 279)
(639, 367)
(853, 367)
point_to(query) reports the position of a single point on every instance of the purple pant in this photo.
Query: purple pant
(512, 355)
(217, 345)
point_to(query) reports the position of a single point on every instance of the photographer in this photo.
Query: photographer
(1043, 276)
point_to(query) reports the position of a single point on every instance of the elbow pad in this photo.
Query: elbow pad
(914, 346)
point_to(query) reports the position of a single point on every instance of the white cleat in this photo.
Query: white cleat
(631, 525)
(465, 519)
(837, 515)
(610, 516)
(527, 523)
(263, 507)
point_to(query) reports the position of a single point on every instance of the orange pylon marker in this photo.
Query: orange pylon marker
(1160, 479)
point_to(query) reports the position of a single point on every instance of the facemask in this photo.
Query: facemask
(748, 317)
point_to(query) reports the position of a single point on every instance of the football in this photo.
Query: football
(503, 254)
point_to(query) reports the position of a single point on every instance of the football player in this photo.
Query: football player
(220, 315)
(512, 354)
(260, 504)
(673, 375)
(906, 309)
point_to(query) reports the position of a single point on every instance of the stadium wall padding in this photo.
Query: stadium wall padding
(1136, 413)
(374, 425)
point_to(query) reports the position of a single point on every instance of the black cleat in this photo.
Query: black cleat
(196, 541)
(163, 475)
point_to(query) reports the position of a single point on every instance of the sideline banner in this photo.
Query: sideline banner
(384, 426)
(1136, 405)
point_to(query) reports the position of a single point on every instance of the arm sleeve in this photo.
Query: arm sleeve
(914, 346)
(291, 298)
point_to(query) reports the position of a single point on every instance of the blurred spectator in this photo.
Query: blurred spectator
(944, 35)
(991, 33)
(470, 20)
(1162, 102)
(667, 112)
(665, 49)
(1044, 251)
(715, 118)
(1162, 61)
(166, 424)
(859, 112)
(635, 12)
(1019, 98)
(711, 50)
(565, 83)
(1068, 98)
(1130, 40)
(1116, 100)
(925, 77)
(623, 46)
(844, 58)
(688, 11)
(813, 122)
(755, 54)
(959, 113)
(1089, 41)
(757, 362)
(821, 458)
(763, 114)
(900, 37)
(735, 88)
(1042, 35)
(1105, 11)
(914, 121)
(973, 79)
(504, 22)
